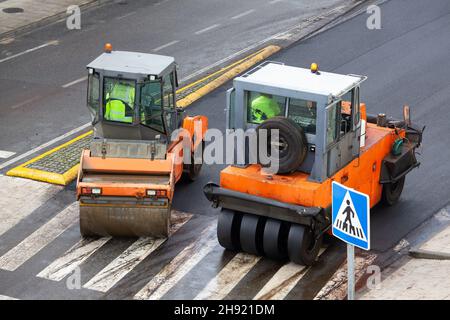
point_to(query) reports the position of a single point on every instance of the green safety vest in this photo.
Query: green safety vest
(263, 108)
(116, 110)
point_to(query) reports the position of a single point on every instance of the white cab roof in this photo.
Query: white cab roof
(132, 62)
(300, 79)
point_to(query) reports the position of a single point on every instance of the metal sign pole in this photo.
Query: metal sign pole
(351, 272)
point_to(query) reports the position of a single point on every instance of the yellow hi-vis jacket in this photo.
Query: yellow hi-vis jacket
(115, 109)
(263, 108)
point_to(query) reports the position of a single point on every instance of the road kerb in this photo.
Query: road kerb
(233, 72)
(46, 176)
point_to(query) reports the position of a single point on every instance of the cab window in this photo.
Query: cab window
(169, 108)
(332, 116)
(350, 113)
(118, 96)
(93, 97)
(262, 106)
(304, 113)
(150, 107)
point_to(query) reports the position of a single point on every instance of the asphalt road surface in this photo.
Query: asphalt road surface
(41, 98)
(407, 62)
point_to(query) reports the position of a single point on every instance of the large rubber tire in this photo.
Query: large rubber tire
(228, 227)
(251, 234)
(275, 239)
(392, 192)
(294, 147)
(302, 246)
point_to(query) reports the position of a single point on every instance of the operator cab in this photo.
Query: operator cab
(324, 105)
(132, 95)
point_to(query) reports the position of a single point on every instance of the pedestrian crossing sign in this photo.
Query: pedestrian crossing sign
(350, 216)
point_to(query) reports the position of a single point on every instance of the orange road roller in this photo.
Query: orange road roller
(142, 145)
(323, 134)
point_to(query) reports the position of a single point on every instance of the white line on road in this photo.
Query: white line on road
(128, 260)
(119, 267)
(179, 266)
(252, 47)
(222, 284)
(207, 29)
(72, 258)
(50, 43)
(21, 104)
(43, 146)
(283, 281)
(2, 297)
(6, 154)
(162, 2)
(165, 45)
(75, 82)
(129, 14)
(16, 202)
(274, 1)
(21, 253)
(243, 14)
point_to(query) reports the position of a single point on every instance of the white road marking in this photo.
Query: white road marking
(162, 2)
(6, 154)
(50, 43)
(129, 14)
(207, 29)
(21, 104)
(221, 285)
(127, 261)
(2, 297)
(165, 45)
(283, 281)
(252, 47)
(179, 266)
(119, 267)
(275, 1)
(72, 258)
(15, 200)
(43, 146)
(243, 14)
(25, 250)
(74, 82)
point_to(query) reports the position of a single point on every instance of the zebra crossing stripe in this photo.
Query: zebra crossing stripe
(2, 297)
(129, 259)
(16, 202)
(179, 266)
(283, 281)
(72, 258)
(25, 250)
(222, 284)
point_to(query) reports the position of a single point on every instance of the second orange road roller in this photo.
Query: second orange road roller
(324, 135)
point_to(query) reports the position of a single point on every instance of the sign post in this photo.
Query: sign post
(351, 224)
(350, 272)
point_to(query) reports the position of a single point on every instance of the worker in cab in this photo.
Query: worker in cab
(120, 102)
(264, 107)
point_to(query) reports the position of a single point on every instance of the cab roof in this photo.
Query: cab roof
(300, 79)
(142, 64)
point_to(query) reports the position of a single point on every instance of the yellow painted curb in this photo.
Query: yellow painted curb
(46, 176)
(231, 71)
(244, 64)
